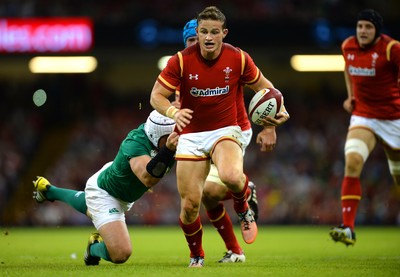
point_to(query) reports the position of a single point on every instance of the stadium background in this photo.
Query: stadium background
(86, 115)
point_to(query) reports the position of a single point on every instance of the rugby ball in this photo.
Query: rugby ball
(266, 102)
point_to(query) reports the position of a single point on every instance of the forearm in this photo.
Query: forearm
(160, 164)
(269, 130)
(159, 98)
(348, 85)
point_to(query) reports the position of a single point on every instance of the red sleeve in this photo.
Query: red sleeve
(251, 73)
(170, 77)
(345, 42)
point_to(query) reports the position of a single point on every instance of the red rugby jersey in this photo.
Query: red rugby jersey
(210, 88)
(242, 117)
(374, 73)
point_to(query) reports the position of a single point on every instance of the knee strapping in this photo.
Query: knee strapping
(394, 167)
(213, 175)
(354, 145)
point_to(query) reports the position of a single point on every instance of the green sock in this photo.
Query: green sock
(100, 250)
(74, 198)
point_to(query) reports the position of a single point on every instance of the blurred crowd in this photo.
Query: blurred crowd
(297, 183)
(174, 10)
(20, 130)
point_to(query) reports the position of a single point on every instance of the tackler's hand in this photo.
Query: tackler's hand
(172, 141)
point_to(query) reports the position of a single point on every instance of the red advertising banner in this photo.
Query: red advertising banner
(46, 35)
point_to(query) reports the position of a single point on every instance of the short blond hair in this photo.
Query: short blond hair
(212, 13)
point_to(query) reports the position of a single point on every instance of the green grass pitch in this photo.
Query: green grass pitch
(162, 251)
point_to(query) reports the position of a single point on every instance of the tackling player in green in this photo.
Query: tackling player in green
(144, 157)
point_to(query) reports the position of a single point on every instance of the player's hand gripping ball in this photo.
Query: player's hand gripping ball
(266, 102)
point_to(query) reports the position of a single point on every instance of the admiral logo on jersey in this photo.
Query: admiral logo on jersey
(209, 91)
(359, 71)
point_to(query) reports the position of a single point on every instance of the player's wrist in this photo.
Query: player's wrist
(160, 163)
(269, 128)
(171, 111)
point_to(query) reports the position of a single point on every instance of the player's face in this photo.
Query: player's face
(210, 35)
(365, 32)
(191, 41)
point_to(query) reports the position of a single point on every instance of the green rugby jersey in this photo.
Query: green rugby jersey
(118, 179)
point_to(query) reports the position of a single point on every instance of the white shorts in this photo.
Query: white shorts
(199, 146)
(247, 135)
(387, 130)
(102, 207)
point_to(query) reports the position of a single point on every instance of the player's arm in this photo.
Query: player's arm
(280, 117)
(267, 137)
(138, 166)
(176, 103)
(159, 98)
(151, 170)
(159, 101)
(348, 103)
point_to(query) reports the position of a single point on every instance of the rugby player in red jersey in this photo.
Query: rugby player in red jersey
(372, 68)
(210, 74)
(215, 192)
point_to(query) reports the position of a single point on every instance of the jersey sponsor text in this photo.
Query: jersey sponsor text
(360, 71)
(196, 92)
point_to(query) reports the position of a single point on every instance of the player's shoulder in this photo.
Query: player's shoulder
(234, 52)
(231, 48)
(390, 46)
(189, 50)
(136, 138)
(389, 42)
(349, 42)
(388, 39)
